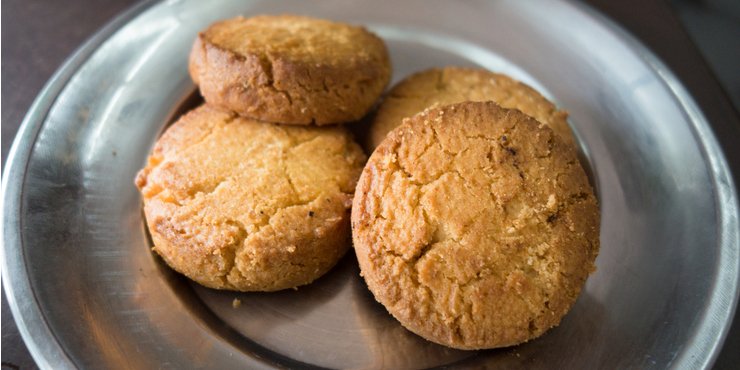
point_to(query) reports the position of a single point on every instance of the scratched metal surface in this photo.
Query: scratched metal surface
(88, 293)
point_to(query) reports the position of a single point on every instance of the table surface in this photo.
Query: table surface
(38, 35)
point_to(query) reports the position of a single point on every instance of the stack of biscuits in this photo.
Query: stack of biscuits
(252, 190)
(473, 222)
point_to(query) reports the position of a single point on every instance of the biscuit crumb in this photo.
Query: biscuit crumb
(236, 303)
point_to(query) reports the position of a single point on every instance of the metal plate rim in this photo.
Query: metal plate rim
(49, 353)
(727, 274)
(40, 340)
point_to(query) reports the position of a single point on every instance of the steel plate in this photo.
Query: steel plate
(87, 292)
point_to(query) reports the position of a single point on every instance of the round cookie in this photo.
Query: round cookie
(290, 69)
(239, 204)
(475, 226)
(438, 87)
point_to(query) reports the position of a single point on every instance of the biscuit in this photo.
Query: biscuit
(239, 204)
(438, 87)
(475, 226)
(290, 69)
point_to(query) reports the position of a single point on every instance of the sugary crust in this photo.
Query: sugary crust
(475, 226)
(239, 204)
(290, 69)
(438, 87)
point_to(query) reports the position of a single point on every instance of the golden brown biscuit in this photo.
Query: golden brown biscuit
(438, 87)
(475, 226)
(239, 204)
(290, 69)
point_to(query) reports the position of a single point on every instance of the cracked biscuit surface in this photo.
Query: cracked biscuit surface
(438, 87)
(475, 226)
(290, 69)
(238, 204)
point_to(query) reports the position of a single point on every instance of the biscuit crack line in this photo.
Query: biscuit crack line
(176, 154)
(238, 245)
(268, 66)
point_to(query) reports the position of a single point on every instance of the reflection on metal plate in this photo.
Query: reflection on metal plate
(88, 292)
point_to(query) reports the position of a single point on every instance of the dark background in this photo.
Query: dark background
(698, 39)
